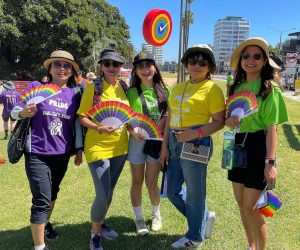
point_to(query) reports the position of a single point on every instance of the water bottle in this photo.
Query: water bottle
(228, 150)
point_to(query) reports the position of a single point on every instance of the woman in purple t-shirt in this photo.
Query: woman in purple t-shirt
(9, 97)
(51, 134)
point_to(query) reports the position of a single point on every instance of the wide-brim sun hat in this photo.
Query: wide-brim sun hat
(9, 85)
(111, 55)
(256, 41)
(203, 48)
(61, 55)
(143, 56)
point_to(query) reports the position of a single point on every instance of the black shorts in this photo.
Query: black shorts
(5, 119)
(253, 175)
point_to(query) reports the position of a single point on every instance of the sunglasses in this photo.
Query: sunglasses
(200, 62)
(107, 64)
(255, 56)
(146, 64)
(59, 65)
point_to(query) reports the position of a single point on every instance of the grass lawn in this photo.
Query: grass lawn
(72, 213)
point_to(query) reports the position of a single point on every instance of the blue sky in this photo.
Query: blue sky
(279, 14)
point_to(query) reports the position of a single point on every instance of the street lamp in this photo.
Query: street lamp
(280, 34)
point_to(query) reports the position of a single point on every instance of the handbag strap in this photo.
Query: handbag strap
(245, 137)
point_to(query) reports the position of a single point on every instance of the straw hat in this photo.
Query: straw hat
(257, 41)
(61, 55)
(91, 75)
(203, 48)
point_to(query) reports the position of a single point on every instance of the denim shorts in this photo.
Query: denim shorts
(135, 152)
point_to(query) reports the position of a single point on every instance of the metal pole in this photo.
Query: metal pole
(179, 67)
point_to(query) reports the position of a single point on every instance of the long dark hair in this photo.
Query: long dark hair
(266, 75)
(159, 86)
(71, 82)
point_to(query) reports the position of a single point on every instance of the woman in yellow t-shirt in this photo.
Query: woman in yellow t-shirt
(105, 147)
(196, 110)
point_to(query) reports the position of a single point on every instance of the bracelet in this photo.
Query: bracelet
(200, 132)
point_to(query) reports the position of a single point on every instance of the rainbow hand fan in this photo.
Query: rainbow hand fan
(267, 204)
(145, 126)
(40, 93)
(241, 104)
(111, 113)
(2, 160)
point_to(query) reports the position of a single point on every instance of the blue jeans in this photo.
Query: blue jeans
(194, 175)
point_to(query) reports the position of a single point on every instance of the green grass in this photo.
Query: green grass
(72, 213)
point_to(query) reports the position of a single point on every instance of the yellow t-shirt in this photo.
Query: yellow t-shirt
(193, 104)
(103, 146)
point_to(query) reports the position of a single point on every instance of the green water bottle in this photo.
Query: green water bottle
(228, 150)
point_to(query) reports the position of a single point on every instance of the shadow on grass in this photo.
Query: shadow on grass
(76, 237)
(292, 138)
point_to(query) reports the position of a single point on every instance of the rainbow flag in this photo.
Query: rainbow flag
(267, 204)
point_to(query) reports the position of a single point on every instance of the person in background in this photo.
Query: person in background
(105, 147)
(9, 97)
(149, 94)
(254, 72)
(229, 81)
(45, 79)
(80, 81)
(91, 76)
(51, 141)
(196, 111)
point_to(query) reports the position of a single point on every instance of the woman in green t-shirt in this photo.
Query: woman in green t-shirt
(254, 72)
(147, 95)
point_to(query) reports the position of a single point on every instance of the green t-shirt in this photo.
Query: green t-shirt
(151, 101)
(229, 80)
(271, 111)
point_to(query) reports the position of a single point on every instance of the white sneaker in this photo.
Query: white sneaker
(156, 222)
(108, 233)
(209, 224)
(141, 227)
(183, 242)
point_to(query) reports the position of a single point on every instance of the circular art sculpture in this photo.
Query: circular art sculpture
(157, 27)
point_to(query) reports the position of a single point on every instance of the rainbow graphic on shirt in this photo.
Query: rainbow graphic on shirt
(111, 113)
(267, 204)
(145, 126)
(40, 93)
(241, 104)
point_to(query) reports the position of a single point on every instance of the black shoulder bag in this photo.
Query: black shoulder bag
(17, 140)
(152, 147)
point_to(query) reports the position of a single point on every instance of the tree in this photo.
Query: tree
(34, 28)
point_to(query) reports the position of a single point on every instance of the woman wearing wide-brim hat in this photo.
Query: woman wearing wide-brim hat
(254, 72)
(50, 142)
(196, 111)
(105, 147)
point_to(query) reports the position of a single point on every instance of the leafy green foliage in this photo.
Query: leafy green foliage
(33, 29)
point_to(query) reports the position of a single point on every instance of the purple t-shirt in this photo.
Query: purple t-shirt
(9, 98)
(53, 126)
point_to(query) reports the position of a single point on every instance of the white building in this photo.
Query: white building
(156, 52)
(228, 33)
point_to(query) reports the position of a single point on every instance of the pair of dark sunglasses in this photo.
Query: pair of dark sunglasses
(256, 56)
(200, 62)
(107, 64)
(59, 65)
(145, 64)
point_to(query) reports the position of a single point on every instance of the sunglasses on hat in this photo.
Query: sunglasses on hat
(256, 56)
(59, 65)
(145, 64)
(107, 64)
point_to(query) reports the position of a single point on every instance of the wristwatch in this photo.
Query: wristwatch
(270, 161)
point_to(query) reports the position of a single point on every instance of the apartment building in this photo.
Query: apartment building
(156, 52)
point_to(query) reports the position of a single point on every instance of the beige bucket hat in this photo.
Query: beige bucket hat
(61, 55)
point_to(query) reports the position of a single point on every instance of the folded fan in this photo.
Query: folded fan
(241, 104)
(2, 160)
(111, 113)
(145, 126)
(267, 204)
(40, 93)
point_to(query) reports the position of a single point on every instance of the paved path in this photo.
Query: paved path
(290, 94)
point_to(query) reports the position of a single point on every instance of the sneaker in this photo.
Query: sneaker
(156, 222)
(141, 227)
(183, 242)
(108, 233)
(50, 232)
(211, 216)
(95, 243)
